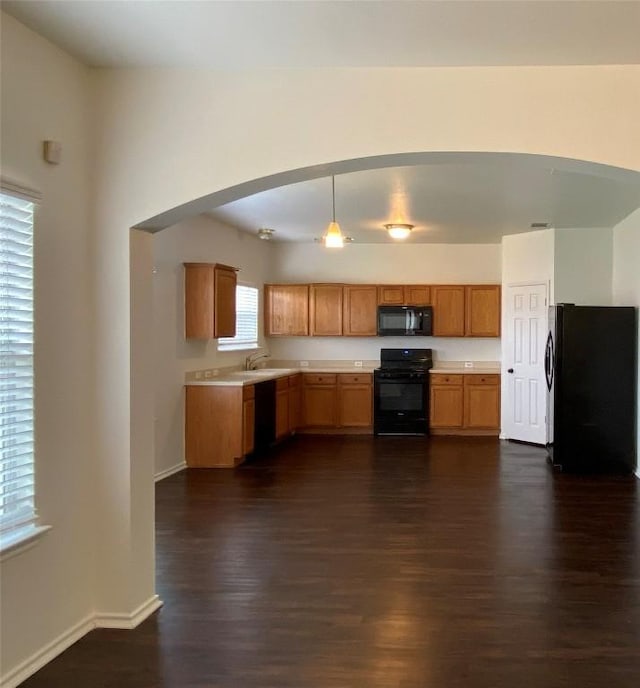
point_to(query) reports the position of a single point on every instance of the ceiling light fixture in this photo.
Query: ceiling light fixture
(398, 230)
(333, 236)
(266, 234)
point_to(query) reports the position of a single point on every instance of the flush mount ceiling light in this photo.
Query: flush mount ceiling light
(266, 234)
(398, 230)
(333, 236)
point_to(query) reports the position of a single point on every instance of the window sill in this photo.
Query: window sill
(21, 541)
(239, 347)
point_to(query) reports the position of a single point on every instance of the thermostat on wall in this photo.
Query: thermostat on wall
(52, 152)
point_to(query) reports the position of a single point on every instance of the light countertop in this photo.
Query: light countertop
(240, 378)
(465, 371)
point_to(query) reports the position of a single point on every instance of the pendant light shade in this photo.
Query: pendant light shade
(333, 236)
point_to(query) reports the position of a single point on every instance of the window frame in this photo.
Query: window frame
(23, 533)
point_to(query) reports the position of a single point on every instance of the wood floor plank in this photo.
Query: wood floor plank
(398, 562)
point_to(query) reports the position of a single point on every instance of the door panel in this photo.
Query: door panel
(525, 387)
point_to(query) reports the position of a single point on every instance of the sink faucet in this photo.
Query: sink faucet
(250, 361)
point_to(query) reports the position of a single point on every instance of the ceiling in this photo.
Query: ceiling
(327, 33)
(473, 201)
(475, 198)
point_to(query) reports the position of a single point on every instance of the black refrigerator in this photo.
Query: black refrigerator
(591, 370)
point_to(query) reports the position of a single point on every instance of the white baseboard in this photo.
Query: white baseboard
(65, 640)
(128, 621)
(50, 651)
(170, 471)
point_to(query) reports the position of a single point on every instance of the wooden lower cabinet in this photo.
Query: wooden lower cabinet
(355, 400)
(337, 401)
(464, 404)
(482, 402)
(319, 400)
(218, 425)
(446, 401)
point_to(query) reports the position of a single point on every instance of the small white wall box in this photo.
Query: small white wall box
(52, 152)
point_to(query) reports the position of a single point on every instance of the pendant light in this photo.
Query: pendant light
(398, 230)
(333, 237)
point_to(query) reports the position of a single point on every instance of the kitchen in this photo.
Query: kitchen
(544, 256)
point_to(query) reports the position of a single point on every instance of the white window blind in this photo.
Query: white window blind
(17, 509)
(246, 321)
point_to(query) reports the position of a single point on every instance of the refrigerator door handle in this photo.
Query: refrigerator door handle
(549, 361)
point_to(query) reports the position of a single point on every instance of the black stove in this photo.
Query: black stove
(401, 392)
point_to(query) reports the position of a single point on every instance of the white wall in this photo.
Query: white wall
(198, 240)
(583, 266)
(527, 258)
(626, 272)
(386, 264)
(49, 589)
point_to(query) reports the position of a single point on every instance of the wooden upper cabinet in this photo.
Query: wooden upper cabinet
(325, 310)
(404, 295)
(448, 311)
(286, 310)
(359, 310)
(209, 300)
(482, 310)
(390, 295)
(417, 295)
(225, 280)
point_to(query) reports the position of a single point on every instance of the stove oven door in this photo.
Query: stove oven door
(401, 403)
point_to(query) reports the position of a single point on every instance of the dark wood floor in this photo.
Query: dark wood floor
(348, 562)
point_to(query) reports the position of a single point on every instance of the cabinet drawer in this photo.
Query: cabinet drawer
(282, 383)
(319, 378)
(354, 378)
(446, 379)
(475, 379)
(248, 392)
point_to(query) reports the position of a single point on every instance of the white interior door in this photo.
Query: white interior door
(526, 393)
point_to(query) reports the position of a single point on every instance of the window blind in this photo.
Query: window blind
(246, 321)
(16, 364)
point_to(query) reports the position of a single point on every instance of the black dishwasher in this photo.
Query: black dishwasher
(265, 423)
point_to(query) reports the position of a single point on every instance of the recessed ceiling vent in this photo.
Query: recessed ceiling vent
(540, 225)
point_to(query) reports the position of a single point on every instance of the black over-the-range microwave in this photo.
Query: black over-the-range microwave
(401, 321)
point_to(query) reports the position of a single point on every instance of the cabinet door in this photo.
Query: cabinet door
(360, 310)
(224, 310)
(482, 311)
(282, 412)
(448, 311)
(417, 295)
(355, 401)
(248, 425)
(446, 406)
(286, 311)
(325, 310)
(198, 301)
(319, 405)
(481, 405)
(390, 295)
(213, 426)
